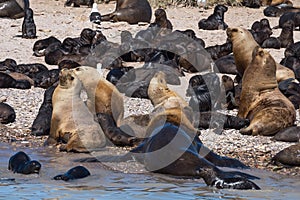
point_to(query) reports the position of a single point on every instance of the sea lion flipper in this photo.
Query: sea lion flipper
(235, 183)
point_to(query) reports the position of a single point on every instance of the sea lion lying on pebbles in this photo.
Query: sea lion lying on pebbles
(13, 9)
(131, 11)
(267, 108)
(7, 113)
(290, 134)
(21, 163)
(288, 156)
(78, 3)
(6, 81)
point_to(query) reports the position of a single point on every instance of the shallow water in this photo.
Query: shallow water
(105, 183)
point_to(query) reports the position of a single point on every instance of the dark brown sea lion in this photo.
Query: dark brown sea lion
(6, 81)
(275, 11)
(288, 156)
(73, 173)
(290, 134)
(294, 16)
(161, 22)
(131, 11)
(40, 45)
(218, 51)
(243, 46)
(285, 38)
(28, 25)
(75, 127)
(251, 3)
(8, 65)
(214, 21)
(78, 3)
(261, 30)
(46, 79)
(68, 64)
(21, 163)
(115, 134)
(42, 123)
(31, 70)
(7, 113)
(226, 65)
(262, 103)
(13, 9)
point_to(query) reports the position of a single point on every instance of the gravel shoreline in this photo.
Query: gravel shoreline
(255, 151)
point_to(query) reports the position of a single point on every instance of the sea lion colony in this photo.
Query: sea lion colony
(170, 109)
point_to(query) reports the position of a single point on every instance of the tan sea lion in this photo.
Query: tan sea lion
(275, 2)
(103, 96)
(71, 120)
(261, 101)
(168, 106)
(243, 45)
(131, 11)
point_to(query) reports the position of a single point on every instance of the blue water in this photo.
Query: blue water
(105, 183)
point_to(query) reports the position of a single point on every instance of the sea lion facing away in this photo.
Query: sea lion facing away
(131, 11)
(261, 101)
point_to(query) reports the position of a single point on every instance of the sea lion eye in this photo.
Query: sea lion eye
(72, 78)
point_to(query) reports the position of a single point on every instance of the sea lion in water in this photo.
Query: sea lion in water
(71, 121)
(261, 101)
(288, 156)
(103, 96)
(21, 163)
(7, 113)
(28, 25)
(13, 9)
(73, 173)
(131, 11)
(243, 46)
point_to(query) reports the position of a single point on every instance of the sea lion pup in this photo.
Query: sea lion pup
(161, 22)
(214, 21)
(42, 123)
(7, 113)
(288, 156)
(28, 25)
(78, 3)
(290, 134)
(13, 9)
(8, 65)
(285, 38)
(6, 81)
(39, 47)
(46, 79)
(251, 3)
(21, 163)
(274, 11)
(262, 103)
(71, 121)
(103, 96)
(219, 51)
(243, 46)
(294, 16)
(131, 11)
(73, 173)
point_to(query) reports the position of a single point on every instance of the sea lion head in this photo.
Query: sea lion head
(68, 79)
(261, 57)
(157, 87)
(160, 14)
(237, 33)
(31, 167)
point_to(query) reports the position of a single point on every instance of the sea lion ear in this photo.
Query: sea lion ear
(255, 51)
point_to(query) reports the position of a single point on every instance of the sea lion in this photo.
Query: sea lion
(28, 25)
(73, 173)
(78, 3)
(47, 78)
(71, 121)
(267, 108)
(8, 65)
(226, 65)
(243, 46)
(115, 134)
(31, 70)
(285, 39)
(290, 134)
(21, 163)
(42, 123)
(294, 16)
(40, 45)
(261, 30)
(6, 81)
(214, 21)
(161, 22)
(218, 51)
(103, 96)
(69, 64)
(275, 11)
(288, 156)
(276, 2)
(251, 3)
(19, 77)
(13, 9)
(7, 113)
(131, 11)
